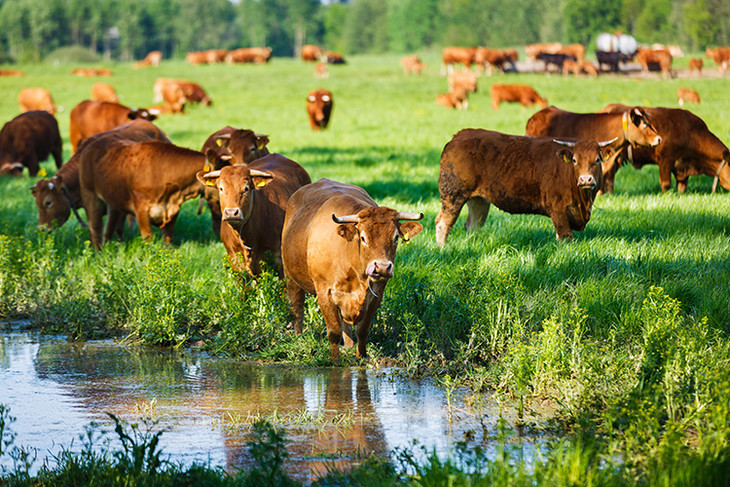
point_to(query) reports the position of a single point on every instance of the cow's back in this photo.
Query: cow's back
(92, 117)
(31, 135)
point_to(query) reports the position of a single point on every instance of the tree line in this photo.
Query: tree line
(127, 29)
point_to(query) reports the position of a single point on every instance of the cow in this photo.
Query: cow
(226, 147)
(214, 56)
(171, 94)
(11, 72)
(258, 55)
(488, 58)
(688, 95)
(695, 64)
(533, 50)
(90, 72)
(153, 58)
(456, 55)
(253, 200)
(629, 129)
(104, 92)
(721, 56)
(332, 57)
(311, 53)
(196, 57)
(610, 59)
(92, 117)
(524, 94)
(412, 64)
(338, 244)
(556, 60)
(319, 108)
(519, 174)
(652, 60)
(579, 67)
(454, 99)
(58, 196)
(689, 148)
(465, 80)
(577, 51)
(150, 180)
(320, 70)
(28, 139)
(36, 99)
(194, 93)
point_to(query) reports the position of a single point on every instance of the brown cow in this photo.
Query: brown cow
(334, 57)
(92, 117)
(339, 244)
(28, 139)
(465, 80)
(689, 148)
(104, 92)
(454, 99)
(36, 99)
(197, 57)
(11, 72)
(695, 64)
(319, 108)
(628, 130)
(194, 93)
(457, 55)
(253, 200)
(153, 58)
(89, 72)
(721, 56)
(650, 59)
(533, 50)
(488, 58)
(258, 55)
(518, 174)
(150, 179)
(412, 64)
(320, 70)
(523, 94)
(171, 94)
(57, 196)
(578, 51)
(311, 53)
(688, 95)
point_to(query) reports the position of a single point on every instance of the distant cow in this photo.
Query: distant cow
(36, 99)
(577, 51)
(659, 60)
(194, 93)
(721, 56)
(687, 95)
(412, 64)
(579, 67)
(104, 92)
(457, 55)
(171, 94)
(57, 196)
(523, 94)
(629, 129)
(150, 180)
(610, 59)
(518, 174)
(92, 117)
(311, 53)
(556, 60)
(257, 55)
(695, 64)
(196, 57)
(153, 58)
(454, 99)
(489, 58)
(253, 200)
(319, 108)
(332, 57)
(28, 139)
(464, 80)
(89, 72)
(533, 50)
(11, 72)
(689, 148)
(339, 244)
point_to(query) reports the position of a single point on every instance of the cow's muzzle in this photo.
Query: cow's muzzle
(586, 182)
(657, 141)
(380, 270)
(233, 216)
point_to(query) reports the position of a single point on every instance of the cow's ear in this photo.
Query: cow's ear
(607, 152)
(636, 116)
(33, 190)
(348, 232)
(410, 229)
(565, 155)
(207, 178)
(260, 182)
(261, 141)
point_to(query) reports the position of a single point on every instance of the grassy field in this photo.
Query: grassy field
(624, 330)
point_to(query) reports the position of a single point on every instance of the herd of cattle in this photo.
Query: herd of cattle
(329, 238)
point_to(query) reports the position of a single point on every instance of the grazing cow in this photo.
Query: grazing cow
(457, 55)
(89, 72)
(556, 60)
(104, 92)
(320, 70)
(57, 196)
(28, 139)
(194, 93)
(519, 174)
(412, 64)
(319, 108)
(721, 56)
(311, 53)
(171, 94)
(629, 129)
(258, 55)
(464, 80)
(454, 99)
(610, 59)
(533, 50)
(523, 94)
(92, 117)
(487, 58)
(695, 64)
(655, 60)
(36, 99)
(334, 57)
(339, 244)
(153, 58)
(689, 148)
(688, 95)
(579, 67)
(11, 72)
(197, 57)
(149, 179)
(253, 200)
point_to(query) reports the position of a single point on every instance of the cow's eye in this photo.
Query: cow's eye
(49, 203)
(363, 239)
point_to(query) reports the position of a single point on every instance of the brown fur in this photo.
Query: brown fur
(533, 50)
(457, 55)
(578, 51)
(257, 55)
(311, 53)
(90, 72)
(523, 94)
(696, 64)
(93, 117)
(171, 94)
(28, 139)
(194, 93)
(687, 95)
(104, 92)
(721, 56)
(454, 99)
(648, 58)
(36, 99)
(412, 64)
(319, 108)
(463, 80)
(153, 58)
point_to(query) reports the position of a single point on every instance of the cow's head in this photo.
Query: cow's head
(237, 186)
(319, 108)
(587, 158)
(376, 230)
(143, 113)
(244, 146)
(54, 207)
(638, 129)
(12, 168)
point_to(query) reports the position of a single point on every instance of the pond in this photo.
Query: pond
(205, 405)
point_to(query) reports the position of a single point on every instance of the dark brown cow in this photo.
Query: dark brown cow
(457, 55)
(689, 148)
(57, 196)
(226, 147)
(28, 139)
(148, 179)
(721, 56)
(319, 108)
(629, 129)
(518, 174)
(650, 59)
(104, 92)
(339, 244)
(194, 93)
(93, 117)
(253, 198)
(523, 94)
(311, 53)
(36, 99)
(334, 57)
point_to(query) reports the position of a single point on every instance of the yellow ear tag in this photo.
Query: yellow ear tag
(406, 237)
(625, 122)
(209, 182)
(206, 168)
(261, 145)
(219, 142)
(261, 184)
(565, 158)
(42, 173)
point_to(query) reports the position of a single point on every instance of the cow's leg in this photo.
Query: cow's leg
(296, 303)
(58, 157)
(143, 221)
(169, 228)
(450, 209)
(114, 219)
(95, 218)
(478, 211)
(332, 320)
(562, 226)
(665, 177)
(681, 183)
(33, 166)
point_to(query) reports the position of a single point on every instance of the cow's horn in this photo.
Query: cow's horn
(212, 174)
(260, 135)
(223, 136)
(260, 174)
(564, 142)
(345, 219)
(226, 157)
(607, 142)
(402, 215)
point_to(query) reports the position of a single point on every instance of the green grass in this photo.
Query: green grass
(624, 330)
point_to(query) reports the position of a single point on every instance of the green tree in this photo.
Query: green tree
(366, 27)
(333, 23)
(584, 19)
(411, 24)
(653, 24)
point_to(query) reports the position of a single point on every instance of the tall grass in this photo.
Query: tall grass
(624, 329)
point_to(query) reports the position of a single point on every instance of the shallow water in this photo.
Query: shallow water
(205, 405)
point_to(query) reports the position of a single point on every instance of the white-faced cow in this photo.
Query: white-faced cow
(319, 108)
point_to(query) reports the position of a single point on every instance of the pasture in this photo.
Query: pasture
(624, 330)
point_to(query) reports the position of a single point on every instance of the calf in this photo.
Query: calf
(412, 64)
(253, 199)
(171, 94)
(339, 244)
(36, 99)
(660, 60)
(688, 95)
(518, 174)
(721, 56)
(523, 94)
(454, 99)
(194, 93)
(695, 64)
(608, 58)
(319, 108)
(464, 80)
(93, 117)
(28, 139)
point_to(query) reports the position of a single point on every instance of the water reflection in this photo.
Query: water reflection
(205, 405)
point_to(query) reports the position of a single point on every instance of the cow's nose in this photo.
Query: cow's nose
(658, 140)
(586, 180)
(232, 213)
(380, 269)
